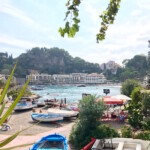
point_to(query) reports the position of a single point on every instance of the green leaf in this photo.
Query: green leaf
(3, 106)
(13, 105)
(75, 13)
(7, 85)
(18, 146)
(11, 138)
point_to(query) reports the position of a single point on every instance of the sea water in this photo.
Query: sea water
(73, 93)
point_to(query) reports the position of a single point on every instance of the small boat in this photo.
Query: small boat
(63, 113)
(40, 104)
(51, 142)
(52, 102)
(46, 117)
(37, 88)
(23, 105)
(82, 85)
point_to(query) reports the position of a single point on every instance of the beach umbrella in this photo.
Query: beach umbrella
(122, 97)
(113, 101)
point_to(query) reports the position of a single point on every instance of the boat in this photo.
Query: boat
(51, 142)
(51, 103)
(37, 88)
(63, 113)
(40, 104)
(82, 85)
(23, 105)
(46, 117)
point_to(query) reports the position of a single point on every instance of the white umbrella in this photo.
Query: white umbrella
(122, 97)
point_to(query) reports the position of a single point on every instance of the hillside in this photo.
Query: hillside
(52, 61)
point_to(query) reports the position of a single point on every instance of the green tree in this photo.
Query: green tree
(146, 103)
(88, 121)
(139, 64)
(135, 113)
(128, 86)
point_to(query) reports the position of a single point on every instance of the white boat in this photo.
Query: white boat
(63, 113)
(23, 105)
(46, 117)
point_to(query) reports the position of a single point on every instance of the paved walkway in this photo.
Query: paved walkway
(65, 131)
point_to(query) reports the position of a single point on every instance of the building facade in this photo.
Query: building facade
(73, 78)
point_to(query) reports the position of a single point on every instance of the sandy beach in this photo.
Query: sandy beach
(21, 120)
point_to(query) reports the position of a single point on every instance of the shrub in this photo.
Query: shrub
(143, 135)
(128, 86)
(126, 132)
(146, 124)
(104, 131)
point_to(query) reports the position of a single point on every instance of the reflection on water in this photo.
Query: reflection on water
(74, 93)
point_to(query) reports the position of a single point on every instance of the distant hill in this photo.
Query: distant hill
(52, 61)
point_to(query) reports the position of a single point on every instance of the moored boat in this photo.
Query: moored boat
(46, 117)
(37, 88)
(63, 113)
(51, 142)
(23, 105)
(82, 85)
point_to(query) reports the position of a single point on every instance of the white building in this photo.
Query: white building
(62, 78)
(74, 78)
(36, 78)
(78, 77)
(95, 78)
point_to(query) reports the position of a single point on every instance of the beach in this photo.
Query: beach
(22, 120)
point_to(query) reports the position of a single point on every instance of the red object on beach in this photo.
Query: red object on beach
(107, 96)
(88, 146)
(113, 101)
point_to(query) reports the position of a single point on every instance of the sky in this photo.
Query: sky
(25, 24)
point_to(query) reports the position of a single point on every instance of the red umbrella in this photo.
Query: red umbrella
(113, 101)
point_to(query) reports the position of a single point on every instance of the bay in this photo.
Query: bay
(73, 93)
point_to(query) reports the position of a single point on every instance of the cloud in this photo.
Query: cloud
(136, 12)
(18, 43)
(7, 8)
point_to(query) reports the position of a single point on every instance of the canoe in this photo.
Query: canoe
(22, 106)
(63, 113)
(46, 117)
(51, 142)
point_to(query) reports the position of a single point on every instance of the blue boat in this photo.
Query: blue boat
(23, 106)
(46, 117)
(51, 142)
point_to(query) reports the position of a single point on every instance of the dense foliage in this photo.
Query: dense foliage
(88, 123)
(126, 132)
(51, 61)
(128, 86)
(6, 63)
(14, 93)
(135, 68)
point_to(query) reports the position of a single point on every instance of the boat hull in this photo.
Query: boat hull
(51, 142)
(46, 118)
(24, 108)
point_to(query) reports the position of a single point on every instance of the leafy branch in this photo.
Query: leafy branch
(72, 24)
(108, 18)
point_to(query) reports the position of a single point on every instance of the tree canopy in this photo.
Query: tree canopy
(128, 86)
